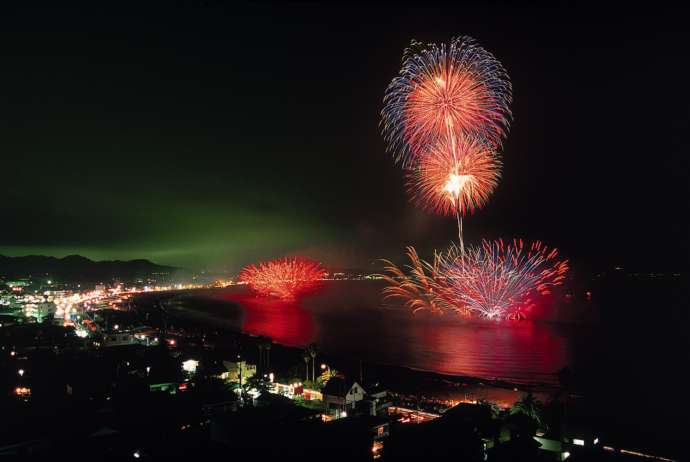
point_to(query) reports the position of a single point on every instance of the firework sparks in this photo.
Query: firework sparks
(284, 278)
(494, 280)
(450, 183)
(418, 287)
(448, 90)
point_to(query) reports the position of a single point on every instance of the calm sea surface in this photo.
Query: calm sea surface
(347, 319)
(630, 364)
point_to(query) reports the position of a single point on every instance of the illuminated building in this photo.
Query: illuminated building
(341, 395)
(240, 369)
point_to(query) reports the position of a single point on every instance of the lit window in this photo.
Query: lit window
(579, 442)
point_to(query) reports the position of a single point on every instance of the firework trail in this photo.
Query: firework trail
(447, 90)
(284, 278)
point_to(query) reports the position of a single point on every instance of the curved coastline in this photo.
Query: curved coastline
(186, 310)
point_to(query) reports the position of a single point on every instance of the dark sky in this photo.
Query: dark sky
(215, 133)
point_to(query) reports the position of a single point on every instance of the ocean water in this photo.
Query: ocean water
(348, 318)
(630, 359)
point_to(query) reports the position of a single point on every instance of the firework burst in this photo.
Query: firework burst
(445, 90)
(284, 278)
(497, 280)
(417, 284)
(421, 285)
(454, 183)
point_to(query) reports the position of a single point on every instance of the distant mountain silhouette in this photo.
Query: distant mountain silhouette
(77, 268)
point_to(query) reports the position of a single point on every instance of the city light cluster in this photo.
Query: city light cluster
(67, 307)
(284, 278)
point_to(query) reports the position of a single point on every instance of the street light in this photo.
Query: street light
(20, 372)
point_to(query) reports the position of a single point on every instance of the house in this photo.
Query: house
(376, 401)
(341, 394)
(574, 438)
(114, 339)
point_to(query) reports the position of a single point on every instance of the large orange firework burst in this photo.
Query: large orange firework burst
(284, 278)
(450, 89)
(455, 177)
(446, 100)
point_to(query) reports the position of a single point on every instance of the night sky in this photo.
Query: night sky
(210, 134)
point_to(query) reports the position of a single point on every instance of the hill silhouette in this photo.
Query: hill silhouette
(78, 268)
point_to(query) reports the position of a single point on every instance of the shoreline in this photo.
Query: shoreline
(416, 388)
(402, 380)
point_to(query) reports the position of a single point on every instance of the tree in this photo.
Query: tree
(522, 446)
(492, 408)
(264, 345)
(258, 383)
(260, 346)
(531, 407)
(312, 353)
(306, 356)
(267, 347)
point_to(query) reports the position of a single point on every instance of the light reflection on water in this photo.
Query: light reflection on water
(346, 318)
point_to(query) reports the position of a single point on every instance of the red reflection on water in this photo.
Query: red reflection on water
(284, 321)
(521, 351)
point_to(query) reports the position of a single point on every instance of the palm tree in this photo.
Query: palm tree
(306, 356)
(531, 407)
(267, 347)
(312, 353)
(260, 345)
(264, 345)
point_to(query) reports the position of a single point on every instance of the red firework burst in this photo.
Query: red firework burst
(498, 279)
(446, 100)
(451, 89)
(494, 280)
(284, 278)
(456, 176)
